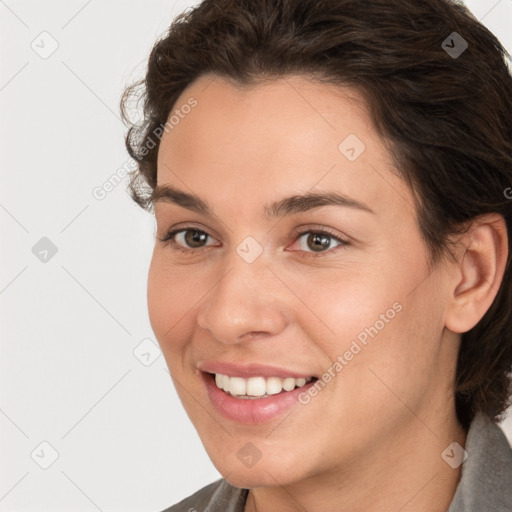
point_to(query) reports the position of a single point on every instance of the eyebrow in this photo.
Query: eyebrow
(286, 206)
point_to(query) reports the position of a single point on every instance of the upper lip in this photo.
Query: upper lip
(249, 370)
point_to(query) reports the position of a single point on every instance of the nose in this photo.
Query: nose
(247, 301)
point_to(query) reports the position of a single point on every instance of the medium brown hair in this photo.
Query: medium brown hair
(447, 119)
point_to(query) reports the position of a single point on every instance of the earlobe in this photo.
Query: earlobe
(480, 271)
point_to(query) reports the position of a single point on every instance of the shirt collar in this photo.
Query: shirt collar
(485, 483)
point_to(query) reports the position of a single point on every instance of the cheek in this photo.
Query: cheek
(376, 318)
(395, 362)
(339, 305)
(170, 297)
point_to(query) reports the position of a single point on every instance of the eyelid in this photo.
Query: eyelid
(170, 234)
(184, 227)
(297, 233)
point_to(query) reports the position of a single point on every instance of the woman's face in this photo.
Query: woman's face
(253, 285)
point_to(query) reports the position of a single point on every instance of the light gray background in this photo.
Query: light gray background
(70, 325)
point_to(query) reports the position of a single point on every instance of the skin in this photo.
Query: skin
(372, 439)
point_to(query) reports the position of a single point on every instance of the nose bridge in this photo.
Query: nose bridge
(241, 301)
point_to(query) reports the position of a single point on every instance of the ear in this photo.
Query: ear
(480, 266)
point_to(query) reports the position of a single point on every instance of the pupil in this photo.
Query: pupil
(193, 236)
(319, 239)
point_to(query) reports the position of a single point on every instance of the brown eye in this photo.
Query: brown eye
(186, 239)
(318, 242)
(195, 238)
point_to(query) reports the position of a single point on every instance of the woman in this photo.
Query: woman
(331, 283)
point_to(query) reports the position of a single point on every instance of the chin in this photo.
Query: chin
(260, 475)
(251, 478)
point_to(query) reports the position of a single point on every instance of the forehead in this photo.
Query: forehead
(290, 134)
(288, 113)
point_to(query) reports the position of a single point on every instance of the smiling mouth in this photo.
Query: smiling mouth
(257, 387)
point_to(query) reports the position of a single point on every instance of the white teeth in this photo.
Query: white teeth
(288, 383)
(237, 385)
(256, 387)
(221, 381)
(274, 385)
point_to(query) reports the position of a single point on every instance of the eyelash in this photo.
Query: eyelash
(169, 239)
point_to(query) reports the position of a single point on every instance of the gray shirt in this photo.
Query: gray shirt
(485, 484)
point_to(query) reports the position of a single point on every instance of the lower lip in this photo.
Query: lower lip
(248, 410)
